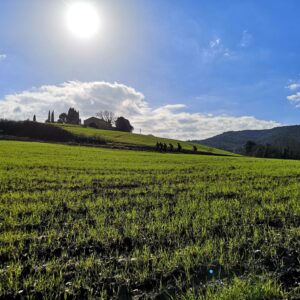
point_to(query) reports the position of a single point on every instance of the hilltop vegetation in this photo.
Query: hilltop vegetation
(79, 222)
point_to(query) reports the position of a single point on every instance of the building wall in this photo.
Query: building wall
(100, 124)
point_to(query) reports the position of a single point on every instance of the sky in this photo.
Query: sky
(181, 69)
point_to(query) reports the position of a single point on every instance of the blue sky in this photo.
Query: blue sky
(203, 59)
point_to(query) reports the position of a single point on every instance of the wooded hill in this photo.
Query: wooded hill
(279, 142)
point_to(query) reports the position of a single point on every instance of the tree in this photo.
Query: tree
(34, 118)
(63, 118)
(107, 116)
(250, 147)
(286, 152)
(49, 117)
(52, 117)
(123, 124)
(179, 148)
(73, 117)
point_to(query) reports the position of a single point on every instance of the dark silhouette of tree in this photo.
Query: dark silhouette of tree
(179, 148)
(249, 147)
(171, 147)
(49, 117)
(123, 124)
(165, 147)
(286, 153)
(157, 146)
(265, 150)
(63, 118)
(73, 117)
(52, 117)
(107, 116)
(268, 150)
(34, 118)
(195, 148)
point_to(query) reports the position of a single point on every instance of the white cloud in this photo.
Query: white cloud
(295, 99)
(216, 43)
(293, 86)
(216, 49)
(2, 57)
(89, 97)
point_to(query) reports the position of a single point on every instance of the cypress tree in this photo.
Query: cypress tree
(52, 117)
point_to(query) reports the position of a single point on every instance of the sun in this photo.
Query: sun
(83, 20)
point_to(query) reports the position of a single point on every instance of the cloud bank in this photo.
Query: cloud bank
(90, 97)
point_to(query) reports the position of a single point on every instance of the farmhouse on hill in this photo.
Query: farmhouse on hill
(97, 123)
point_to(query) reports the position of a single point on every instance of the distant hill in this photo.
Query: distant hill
(280, 139)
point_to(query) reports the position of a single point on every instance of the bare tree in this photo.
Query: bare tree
(107, 116)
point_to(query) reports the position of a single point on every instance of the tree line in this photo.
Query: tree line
(268, 151)
(72, 117)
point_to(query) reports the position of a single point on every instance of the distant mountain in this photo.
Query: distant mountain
(281, 140)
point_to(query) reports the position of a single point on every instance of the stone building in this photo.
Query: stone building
(97, 123)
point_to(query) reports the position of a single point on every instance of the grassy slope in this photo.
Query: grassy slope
(83, 221)
(136, 139)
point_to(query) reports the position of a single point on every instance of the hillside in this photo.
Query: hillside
(286, 137)
(79, 135)
(126, 138)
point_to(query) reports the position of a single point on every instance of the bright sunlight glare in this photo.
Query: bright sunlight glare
(83, 20)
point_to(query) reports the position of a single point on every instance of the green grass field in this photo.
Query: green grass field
(136, 139)
(79, 222)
